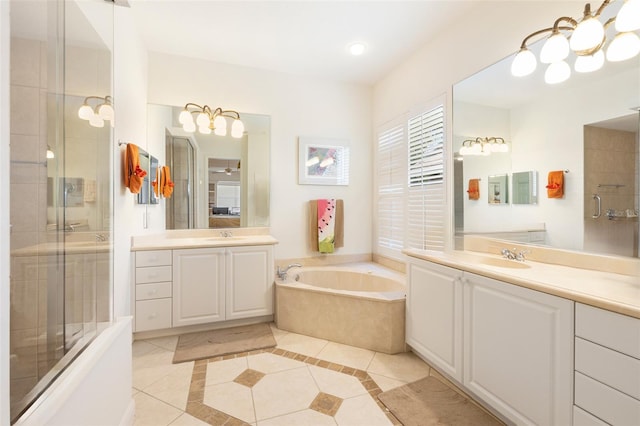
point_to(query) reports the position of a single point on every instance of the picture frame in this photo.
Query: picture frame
(323, 161)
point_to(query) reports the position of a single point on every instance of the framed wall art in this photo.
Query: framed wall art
(323, 161)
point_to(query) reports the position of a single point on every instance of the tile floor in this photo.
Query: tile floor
(303, 381)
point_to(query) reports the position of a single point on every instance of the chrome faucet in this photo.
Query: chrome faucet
(282, 272)
(226, 234)
(101, 238)
(514, 255)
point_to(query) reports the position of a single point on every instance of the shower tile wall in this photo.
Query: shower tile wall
(610, 158)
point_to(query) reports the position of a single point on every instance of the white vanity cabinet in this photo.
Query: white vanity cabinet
(510, 346)
(518, 353)
(607, 368)
(434, 315)
(249, 282)
(198, 286)
(152, 291)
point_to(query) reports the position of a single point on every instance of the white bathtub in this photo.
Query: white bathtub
(360, 305)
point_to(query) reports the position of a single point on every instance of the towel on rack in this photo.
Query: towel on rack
(338, 226)
(156, 183)
(133, 173)
(166, 185)
(555, 184)
(474, 189)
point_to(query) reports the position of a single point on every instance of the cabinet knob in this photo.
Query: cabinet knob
(152, 292)
(153, 316)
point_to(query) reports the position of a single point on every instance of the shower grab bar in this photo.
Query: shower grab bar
(598, 206)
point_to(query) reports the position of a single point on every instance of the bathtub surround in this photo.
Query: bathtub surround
(361, 305)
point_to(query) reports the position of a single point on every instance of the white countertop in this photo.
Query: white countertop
(614, 292)
(200, 238)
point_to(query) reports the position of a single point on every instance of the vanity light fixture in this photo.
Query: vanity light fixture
(209, 120)
(586, 38)
(102, 111)
(483, 146)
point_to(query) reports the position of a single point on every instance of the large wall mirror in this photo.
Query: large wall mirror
(219, 181)
(586, 127)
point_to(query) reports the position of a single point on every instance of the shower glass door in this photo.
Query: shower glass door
(61, 190)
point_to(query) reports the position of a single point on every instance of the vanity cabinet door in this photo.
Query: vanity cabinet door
(198, 286)
(519, 351)
(249, 287)
(434, 315)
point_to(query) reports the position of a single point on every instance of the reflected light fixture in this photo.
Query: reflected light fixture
(98, 114)
(586, 38)
(483, 146)
(50, 153)
(208, 120)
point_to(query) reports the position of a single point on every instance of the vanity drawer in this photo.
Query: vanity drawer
(153, 314)
(153, 258)
(153, 291)
(605, 403)
(612, 368)
(582, 418)
(597, 325)
(153, 274)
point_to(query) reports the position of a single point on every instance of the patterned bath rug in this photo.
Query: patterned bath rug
(225, 341)
(429, 402)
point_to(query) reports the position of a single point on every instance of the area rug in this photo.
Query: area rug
(429, 402)
(226, 341)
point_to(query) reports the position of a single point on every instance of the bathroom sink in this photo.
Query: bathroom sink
(226, 238)
(503, 263)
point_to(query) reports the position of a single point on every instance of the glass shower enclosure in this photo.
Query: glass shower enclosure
(61, 189)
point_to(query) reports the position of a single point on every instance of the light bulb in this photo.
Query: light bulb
(624, 46)
(464, 150)
(202, 120)
(189, 126)
(524, 63)
(588, 34)
(184, 117)
(589, 63)
(205, 130)
(357, 49)
(106, 112)
(237, 128)
(555, 49)
(628, 18)
(557, 72)
(85, 112)
(220, 123)
(476, 148)
(96, 121)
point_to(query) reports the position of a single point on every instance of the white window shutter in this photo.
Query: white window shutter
(391, 182)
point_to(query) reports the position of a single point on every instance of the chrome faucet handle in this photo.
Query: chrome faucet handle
(520, 256)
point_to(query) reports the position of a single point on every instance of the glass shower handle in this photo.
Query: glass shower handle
(598, 211)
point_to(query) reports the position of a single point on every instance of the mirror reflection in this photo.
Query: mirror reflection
(199, 164)
(587, 126)
(524, 187)
(498, 191)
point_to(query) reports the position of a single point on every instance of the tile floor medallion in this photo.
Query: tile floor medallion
(303, 381)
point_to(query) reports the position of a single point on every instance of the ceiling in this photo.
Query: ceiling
(300, 37)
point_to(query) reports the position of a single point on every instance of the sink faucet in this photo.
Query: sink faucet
(282, 272)
(226, 234)
(101, 237)
(514, 255)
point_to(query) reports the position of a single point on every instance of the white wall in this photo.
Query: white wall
(4, 212)
(130, 103)
(490, 32)
(298, 107)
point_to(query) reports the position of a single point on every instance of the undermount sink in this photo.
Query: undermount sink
(503, 263)
(226, 238)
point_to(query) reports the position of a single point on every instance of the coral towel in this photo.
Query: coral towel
(326, 225)
(133, 174)
(474, 189)
(555, 184)
(166, 185)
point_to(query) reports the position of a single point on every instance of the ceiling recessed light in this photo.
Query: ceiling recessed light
(357, 48)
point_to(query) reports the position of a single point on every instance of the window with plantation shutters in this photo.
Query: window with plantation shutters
(425, 208)
(391, 187)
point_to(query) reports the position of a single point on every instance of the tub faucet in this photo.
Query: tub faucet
(282, 272)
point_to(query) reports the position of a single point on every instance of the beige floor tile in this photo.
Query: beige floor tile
(232, 399)
(385, 383)
(270, 363)
(359, 411)
(141, 348)
(188, 420)
(300, 418)
(152, 412)
(404, 366)
(156, 368)
(338, 384)
(225, 371)
(173, 388)
(346, 355)
(169, 343)
(305, 345)
(277, 333)
(284, 392)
